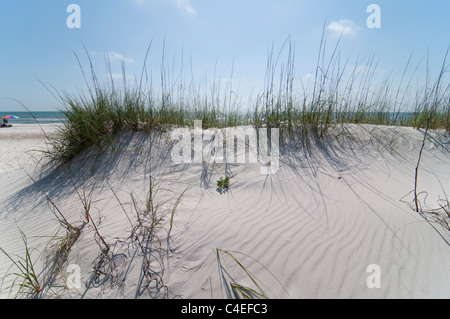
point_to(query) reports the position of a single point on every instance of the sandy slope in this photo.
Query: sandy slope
(309, 231)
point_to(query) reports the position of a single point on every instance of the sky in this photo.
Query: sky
(42, 41)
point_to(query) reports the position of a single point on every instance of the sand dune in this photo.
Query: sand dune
(309, 231)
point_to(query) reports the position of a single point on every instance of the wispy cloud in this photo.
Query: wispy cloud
(306, 78)
(121, 77)
(114, 56)
(186, 6)
(343, 27)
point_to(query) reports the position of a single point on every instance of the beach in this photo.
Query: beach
(21, 144)
(337, 220)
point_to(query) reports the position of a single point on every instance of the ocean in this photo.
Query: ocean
(41, 117)
(55, 117)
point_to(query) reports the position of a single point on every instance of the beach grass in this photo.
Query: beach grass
(340, 94)
(255, 288)
(25, 276)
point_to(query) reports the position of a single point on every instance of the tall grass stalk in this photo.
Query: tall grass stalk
(242, 291)
(145, 237)
(431, 106)
(25, 276)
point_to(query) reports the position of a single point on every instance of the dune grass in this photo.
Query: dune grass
(340, 94)
(255, 288)
(25, 276)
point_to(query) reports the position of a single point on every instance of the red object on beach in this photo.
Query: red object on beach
(9, 117)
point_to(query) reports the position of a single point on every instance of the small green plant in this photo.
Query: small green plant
(25, 273)
(241, 291)
(254, 288)
(223, 183)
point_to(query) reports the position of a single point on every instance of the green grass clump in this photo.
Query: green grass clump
(339, 94)
(223, 183)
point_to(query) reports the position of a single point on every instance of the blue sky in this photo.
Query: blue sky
(36, 43)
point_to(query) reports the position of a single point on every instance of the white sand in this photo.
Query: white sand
(309, 231)
(20, 145)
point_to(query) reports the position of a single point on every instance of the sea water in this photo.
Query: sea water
(42, 117)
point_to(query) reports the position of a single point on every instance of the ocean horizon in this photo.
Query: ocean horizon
(57, 117)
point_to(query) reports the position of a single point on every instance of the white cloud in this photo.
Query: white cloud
(113, 56)
(186, 6)
(119, 76)
(343, 27)
(307, 77)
